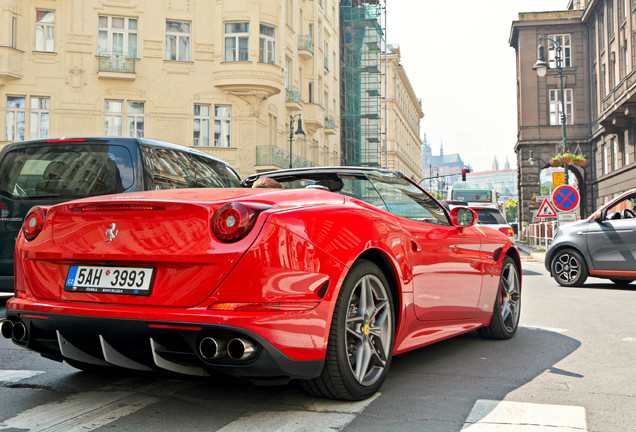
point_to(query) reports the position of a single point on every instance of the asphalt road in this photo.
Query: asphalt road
(572, 361)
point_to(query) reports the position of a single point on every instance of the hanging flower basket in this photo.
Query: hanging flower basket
(556, 161)
(579, 160)
(566, 158)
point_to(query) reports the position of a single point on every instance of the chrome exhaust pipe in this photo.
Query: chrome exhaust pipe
(19, 332)
(212, 349)
(240, 349)
(7, 329)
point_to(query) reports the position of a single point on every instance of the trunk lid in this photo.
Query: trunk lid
(168, 231)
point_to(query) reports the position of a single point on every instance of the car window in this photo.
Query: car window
(66, 171)
(488, 216)
(625, 208)
(174, 169)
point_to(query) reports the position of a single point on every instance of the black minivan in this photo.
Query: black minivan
(49, 171)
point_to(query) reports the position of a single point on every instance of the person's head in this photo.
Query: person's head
(266, 182)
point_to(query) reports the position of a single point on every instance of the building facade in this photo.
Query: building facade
(361, 51)
(599, 64)
(222, 76)
(403, 115)
(540, 131)
(611, 26)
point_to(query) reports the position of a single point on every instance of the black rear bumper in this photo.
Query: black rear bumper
(152, 345)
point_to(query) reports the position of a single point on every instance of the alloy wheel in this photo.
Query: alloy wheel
(567, 267)
(510, 289)
(368, 330)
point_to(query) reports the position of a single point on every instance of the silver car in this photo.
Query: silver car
(603, 245)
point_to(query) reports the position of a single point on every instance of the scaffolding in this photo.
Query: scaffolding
(361, 75)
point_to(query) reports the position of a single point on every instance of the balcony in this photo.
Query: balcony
(249, 78)
(269, 158)
(330, 125)
(305, 47)
(116, 65)
(293, 99)
(313, 117)
(10, 63)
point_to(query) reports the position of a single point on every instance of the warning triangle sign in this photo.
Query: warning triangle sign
(546, 210)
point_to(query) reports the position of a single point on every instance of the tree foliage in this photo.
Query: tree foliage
(512, 210)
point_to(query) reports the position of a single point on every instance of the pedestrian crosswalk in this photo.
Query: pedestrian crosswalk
(506, 416)
(13, 376)
(82, 412)
(91, 410)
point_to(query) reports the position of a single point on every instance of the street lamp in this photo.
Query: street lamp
(300, 133)
(541, 67)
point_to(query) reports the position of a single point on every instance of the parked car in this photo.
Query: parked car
(322, 280)
(603, 245)
(492, 218)
(50, 171)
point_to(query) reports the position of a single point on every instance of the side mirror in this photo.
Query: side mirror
(601, 217)
(463, 217)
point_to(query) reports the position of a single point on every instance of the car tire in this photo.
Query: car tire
(507, 308)
(622, 282)
(569, 268)
(361, 337)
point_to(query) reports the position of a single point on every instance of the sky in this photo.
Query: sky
(458, 60)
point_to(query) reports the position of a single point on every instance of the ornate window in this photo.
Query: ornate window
(44, 30)
(177, 41)
(237, 41)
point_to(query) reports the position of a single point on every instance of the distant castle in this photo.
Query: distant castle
(442, 164)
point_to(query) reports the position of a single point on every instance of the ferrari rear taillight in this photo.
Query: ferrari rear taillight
(233, 221)
(507, 231)
(33, 222)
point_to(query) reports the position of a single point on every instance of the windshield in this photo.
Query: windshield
(389, 191)
(490, 217)
(475, 195)
(66, 171)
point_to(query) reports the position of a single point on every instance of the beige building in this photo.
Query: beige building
(224, 76)
(404, 112)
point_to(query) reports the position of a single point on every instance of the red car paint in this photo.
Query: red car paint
(295, 257)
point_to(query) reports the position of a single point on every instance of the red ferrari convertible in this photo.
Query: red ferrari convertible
(323, 278)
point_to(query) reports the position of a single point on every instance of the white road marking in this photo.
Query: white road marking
(13, 376)
(320, 416)
(550, 329)
(82, 412)
(500, 416)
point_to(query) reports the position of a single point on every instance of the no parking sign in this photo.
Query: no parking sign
(565, 198)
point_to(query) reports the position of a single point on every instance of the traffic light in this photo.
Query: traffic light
(464, 172)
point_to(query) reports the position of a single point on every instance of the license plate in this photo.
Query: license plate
(109, 280)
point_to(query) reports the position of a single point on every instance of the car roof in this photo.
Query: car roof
(95, 140)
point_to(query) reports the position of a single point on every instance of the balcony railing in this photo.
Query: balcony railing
(330, 122)
(293, 95)
(116, 62)
(274, 156)
(306, 43)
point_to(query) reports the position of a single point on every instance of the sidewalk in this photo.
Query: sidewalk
(527, 250)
